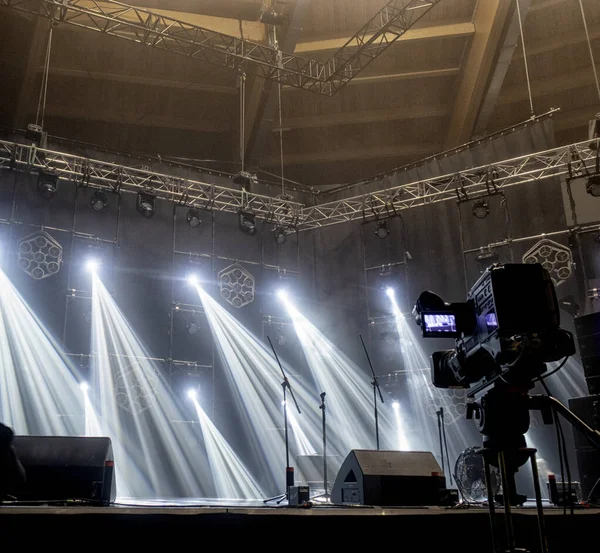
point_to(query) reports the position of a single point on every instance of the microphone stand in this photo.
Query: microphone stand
(325, 494)
(443, 442)
(289, 471)
(375, 384)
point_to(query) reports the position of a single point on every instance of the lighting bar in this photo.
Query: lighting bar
(572, 160)
(119, 178)
(165, 33)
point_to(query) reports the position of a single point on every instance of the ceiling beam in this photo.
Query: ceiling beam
(363, 117)
(265, 100)
(142, 81)
(84, 113)
(419, 33)
(557, 42)
(398, 151)
(490, 20)
(511, 39)
(246, 10)
(251, 30)
(555, 84)
(391, 77)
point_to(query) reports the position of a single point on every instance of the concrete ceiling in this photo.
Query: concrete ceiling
(459, 73)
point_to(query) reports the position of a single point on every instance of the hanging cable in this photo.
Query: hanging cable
(281, 142)
(44, 86)
(532, 111)
(589, 41)
(243, 120)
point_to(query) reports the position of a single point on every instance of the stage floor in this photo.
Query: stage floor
(179, 522)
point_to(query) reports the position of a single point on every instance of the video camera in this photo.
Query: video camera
(508, 328)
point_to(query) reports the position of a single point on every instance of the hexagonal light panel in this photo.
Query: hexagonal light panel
(135, 392)
(554, 257)
(39, 255)
(236, 285)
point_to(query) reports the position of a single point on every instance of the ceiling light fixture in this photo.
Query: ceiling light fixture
(146, 204)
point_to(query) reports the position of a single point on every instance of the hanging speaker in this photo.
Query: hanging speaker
(390, 478)
(66, 468)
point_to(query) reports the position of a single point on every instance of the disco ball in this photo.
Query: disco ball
(39, 255)
(236, 285)
(554, 257)
(136, 390)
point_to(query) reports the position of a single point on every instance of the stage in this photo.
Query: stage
(254, 524)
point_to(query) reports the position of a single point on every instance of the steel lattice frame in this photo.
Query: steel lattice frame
(573, 160)
(145, 27)
(119, 178)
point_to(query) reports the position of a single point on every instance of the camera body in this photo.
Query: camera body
(509, 327)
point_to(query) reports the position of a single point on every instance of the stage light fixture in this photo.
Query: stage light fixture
(280, 235)
(390, 292)
(146, 204)
(192, 279)
(282, 294)
(92, 265)
(84, 387)
(481, 209)
(247, 222)
(382, 230)
(191, 393)
(395, 405)
(244, 179)
(98, 200)
(47, 184)
(193, 217)
(193, 327)
(592, 186)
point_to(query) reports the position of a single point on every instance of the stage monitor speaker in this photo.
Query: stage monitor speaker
(389, 478)
(63, 468)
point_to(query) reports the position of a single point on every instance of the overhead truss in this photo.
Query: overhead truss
(573, 161)
(146, 27)
(576, 160)
(116, 178)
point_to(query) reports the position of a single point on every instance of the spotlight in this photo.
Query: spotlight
(193, 327)
(247, 222)
(282, 294)
(395, 405)
(280, 235)
(193, 217)
(47, 184)
(593, 186)
(192, 279)
(244, 179)
(84, 387)
(390, 292)
(191, 393)
(382, 229)
(145, 204)
(481, 209)
(98, 200)
(92, 265)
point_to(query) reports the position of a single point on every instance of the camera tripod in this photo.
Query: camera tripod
(502, 416)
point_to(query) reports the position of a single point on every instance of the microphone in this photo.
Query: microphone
(322, 395)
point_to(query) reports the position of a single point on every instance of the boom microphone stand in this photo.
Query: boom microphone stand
(375, 384)
(325, 494)
(289, 471)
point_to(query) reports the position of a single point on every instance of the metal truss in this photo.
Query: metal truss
(573, 161)
(576, 160)
(151, 29)
(118, 178)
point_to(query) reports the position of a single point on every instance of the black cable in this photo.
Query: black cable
(542, 377)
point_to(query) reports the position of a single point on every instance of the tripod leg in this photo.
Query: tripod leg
(538, 503)
(490, 494)
(507, 488)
